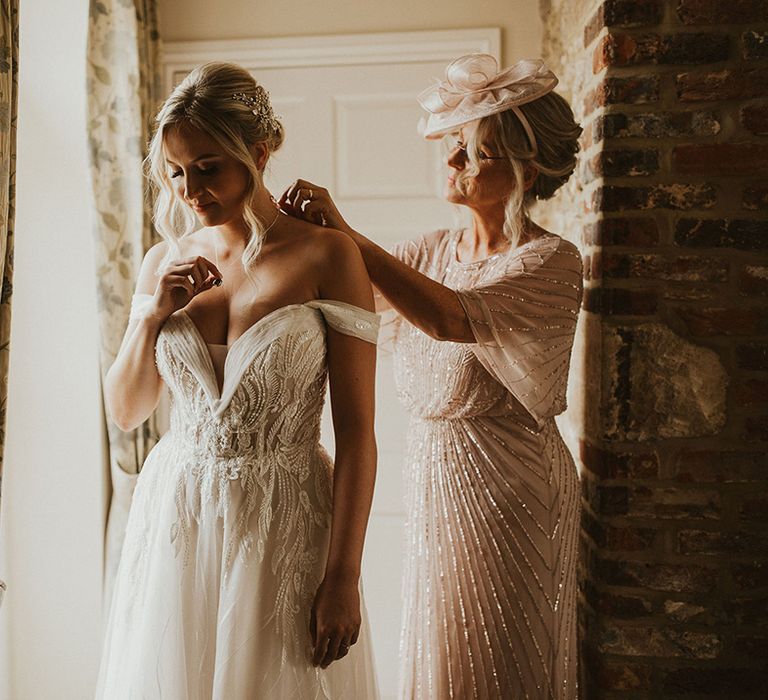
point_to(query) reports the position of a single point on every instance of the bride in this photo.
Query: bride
(239, 576)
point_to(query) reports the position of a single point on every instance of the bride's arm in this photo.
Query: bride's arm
(351, 371)
(133, 385)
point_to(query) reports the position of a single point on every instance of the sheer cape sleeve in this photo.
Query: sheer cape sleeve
(524, 323)
(348, 319)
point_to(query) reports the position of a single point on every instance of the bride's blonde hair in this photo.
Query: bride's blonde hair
(224, 101)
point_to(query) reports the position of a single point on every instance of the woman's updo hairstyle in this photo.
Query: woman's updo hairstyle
(554, 156)
(224, 101)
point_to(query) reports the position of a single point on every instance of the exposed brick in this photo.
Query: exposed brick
(619, 465)
(656, 576)
(709, 321)
(663, 125)
(756, 428)
(751, 391)
(621, 302)
(722, 85)
(721, 159)
(677, 196)
(623, 676)
(630, 90)
(641, 232)
(752, 648)
(619, 50)
(754, 117)
(754, 507)
(755, 44)
(751, 576)
(744, 234)
(625, 163)
(623, 13)
(628, 539)
(755, 198)
(623, 606)
(673, 503)
(730, 682)
(683, 611)
(747, 610)
(652, 641)
(721, 12)
(719, 543)
(613, 500)
(681, 268)
(753, 356)
(754, 280)
(721, 466)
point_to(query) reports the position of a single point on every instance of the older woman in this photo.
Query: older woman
(486, 324)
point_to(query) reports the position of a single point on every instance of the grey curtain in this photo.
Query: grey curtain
(123, 89)
(9, 92)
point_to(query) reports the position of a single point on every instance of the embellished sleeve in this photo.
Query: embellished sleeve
(524, 323)
(349, 319)
(140, 304)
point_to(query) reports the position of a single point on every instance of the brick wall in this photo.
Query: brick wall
(671, 392)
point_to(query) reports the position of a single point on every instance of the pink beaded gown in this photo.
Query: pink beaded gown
(492, 492)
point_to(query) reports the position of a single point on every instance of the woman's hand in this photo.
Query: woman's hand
(312, 203)
(180, 282)
(335, 622)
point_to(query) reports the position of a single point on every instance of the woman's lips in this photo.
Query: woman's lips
(202, 207)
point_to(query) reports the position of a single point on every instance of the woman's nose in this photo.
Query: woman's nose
(192, 187)
(457, 158)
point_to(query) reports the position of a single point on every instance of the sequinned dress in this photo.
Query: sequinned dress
(491, 490)
(228, 532)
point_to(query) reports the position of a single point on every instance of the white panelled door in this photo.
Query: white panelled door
(350, 113)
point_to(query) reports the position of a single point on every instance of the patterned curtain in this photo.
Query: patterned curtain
(9, 93)
(123, 89)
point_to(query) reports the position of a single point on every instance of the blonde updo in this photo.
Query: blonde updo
(557, 143)
(224, 101)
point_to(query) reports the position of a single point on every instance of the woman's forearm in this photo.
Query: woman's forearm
(132, 385)
(353, 481)
(428, 305)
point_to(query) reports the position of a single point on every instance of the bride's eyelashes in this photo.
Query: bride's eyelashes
(202, 171)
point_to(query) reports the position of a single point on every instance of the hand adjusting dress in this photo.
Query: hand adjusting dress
(227, 537)
(492, 492)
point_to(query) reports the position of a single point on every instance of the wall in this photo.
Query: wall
(671, 210)
(186, 20)
(52, 502)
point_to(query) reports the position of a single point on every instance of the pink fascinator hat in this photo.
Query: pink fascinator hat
(474, 88)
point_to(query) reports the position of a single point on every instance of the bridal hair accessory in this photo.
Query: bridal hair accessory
(474, 88)
(260, 106)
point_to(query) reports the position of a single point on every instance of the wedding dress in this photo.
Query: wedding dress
(492, 493)
(227, 537)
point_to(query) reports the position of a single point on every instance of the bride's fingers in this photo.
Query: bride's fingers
(315, 211)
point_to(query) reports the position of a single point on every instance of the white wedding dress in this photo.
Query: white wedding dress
(227, 537)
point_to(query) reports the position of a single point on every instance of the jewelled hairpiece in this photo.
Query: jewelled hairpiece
(260, 107)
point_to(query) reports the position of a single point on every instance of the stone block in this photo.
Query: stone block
(658, 642)
(659, 385)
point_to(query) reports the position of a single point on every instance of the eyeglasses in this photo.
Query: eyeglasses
(462, 148)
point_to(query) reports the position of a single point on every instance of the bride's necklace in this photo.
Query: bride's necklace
(228, 292)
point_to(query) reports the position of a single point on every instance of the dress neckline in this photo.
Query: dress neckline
(510, 252)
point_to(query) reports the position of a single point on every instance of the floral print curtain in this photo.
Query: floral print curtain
(9, 91)
(123, 88)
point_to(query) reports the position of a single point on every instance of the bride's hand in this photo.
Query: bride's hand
(335, 621)
(310, 202)
(180, 282)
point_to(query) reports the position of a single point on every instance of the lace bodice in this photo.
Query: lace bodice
(261, 430)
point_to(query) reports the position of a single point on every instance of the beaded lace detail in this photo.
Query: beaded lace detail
(250, 454)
